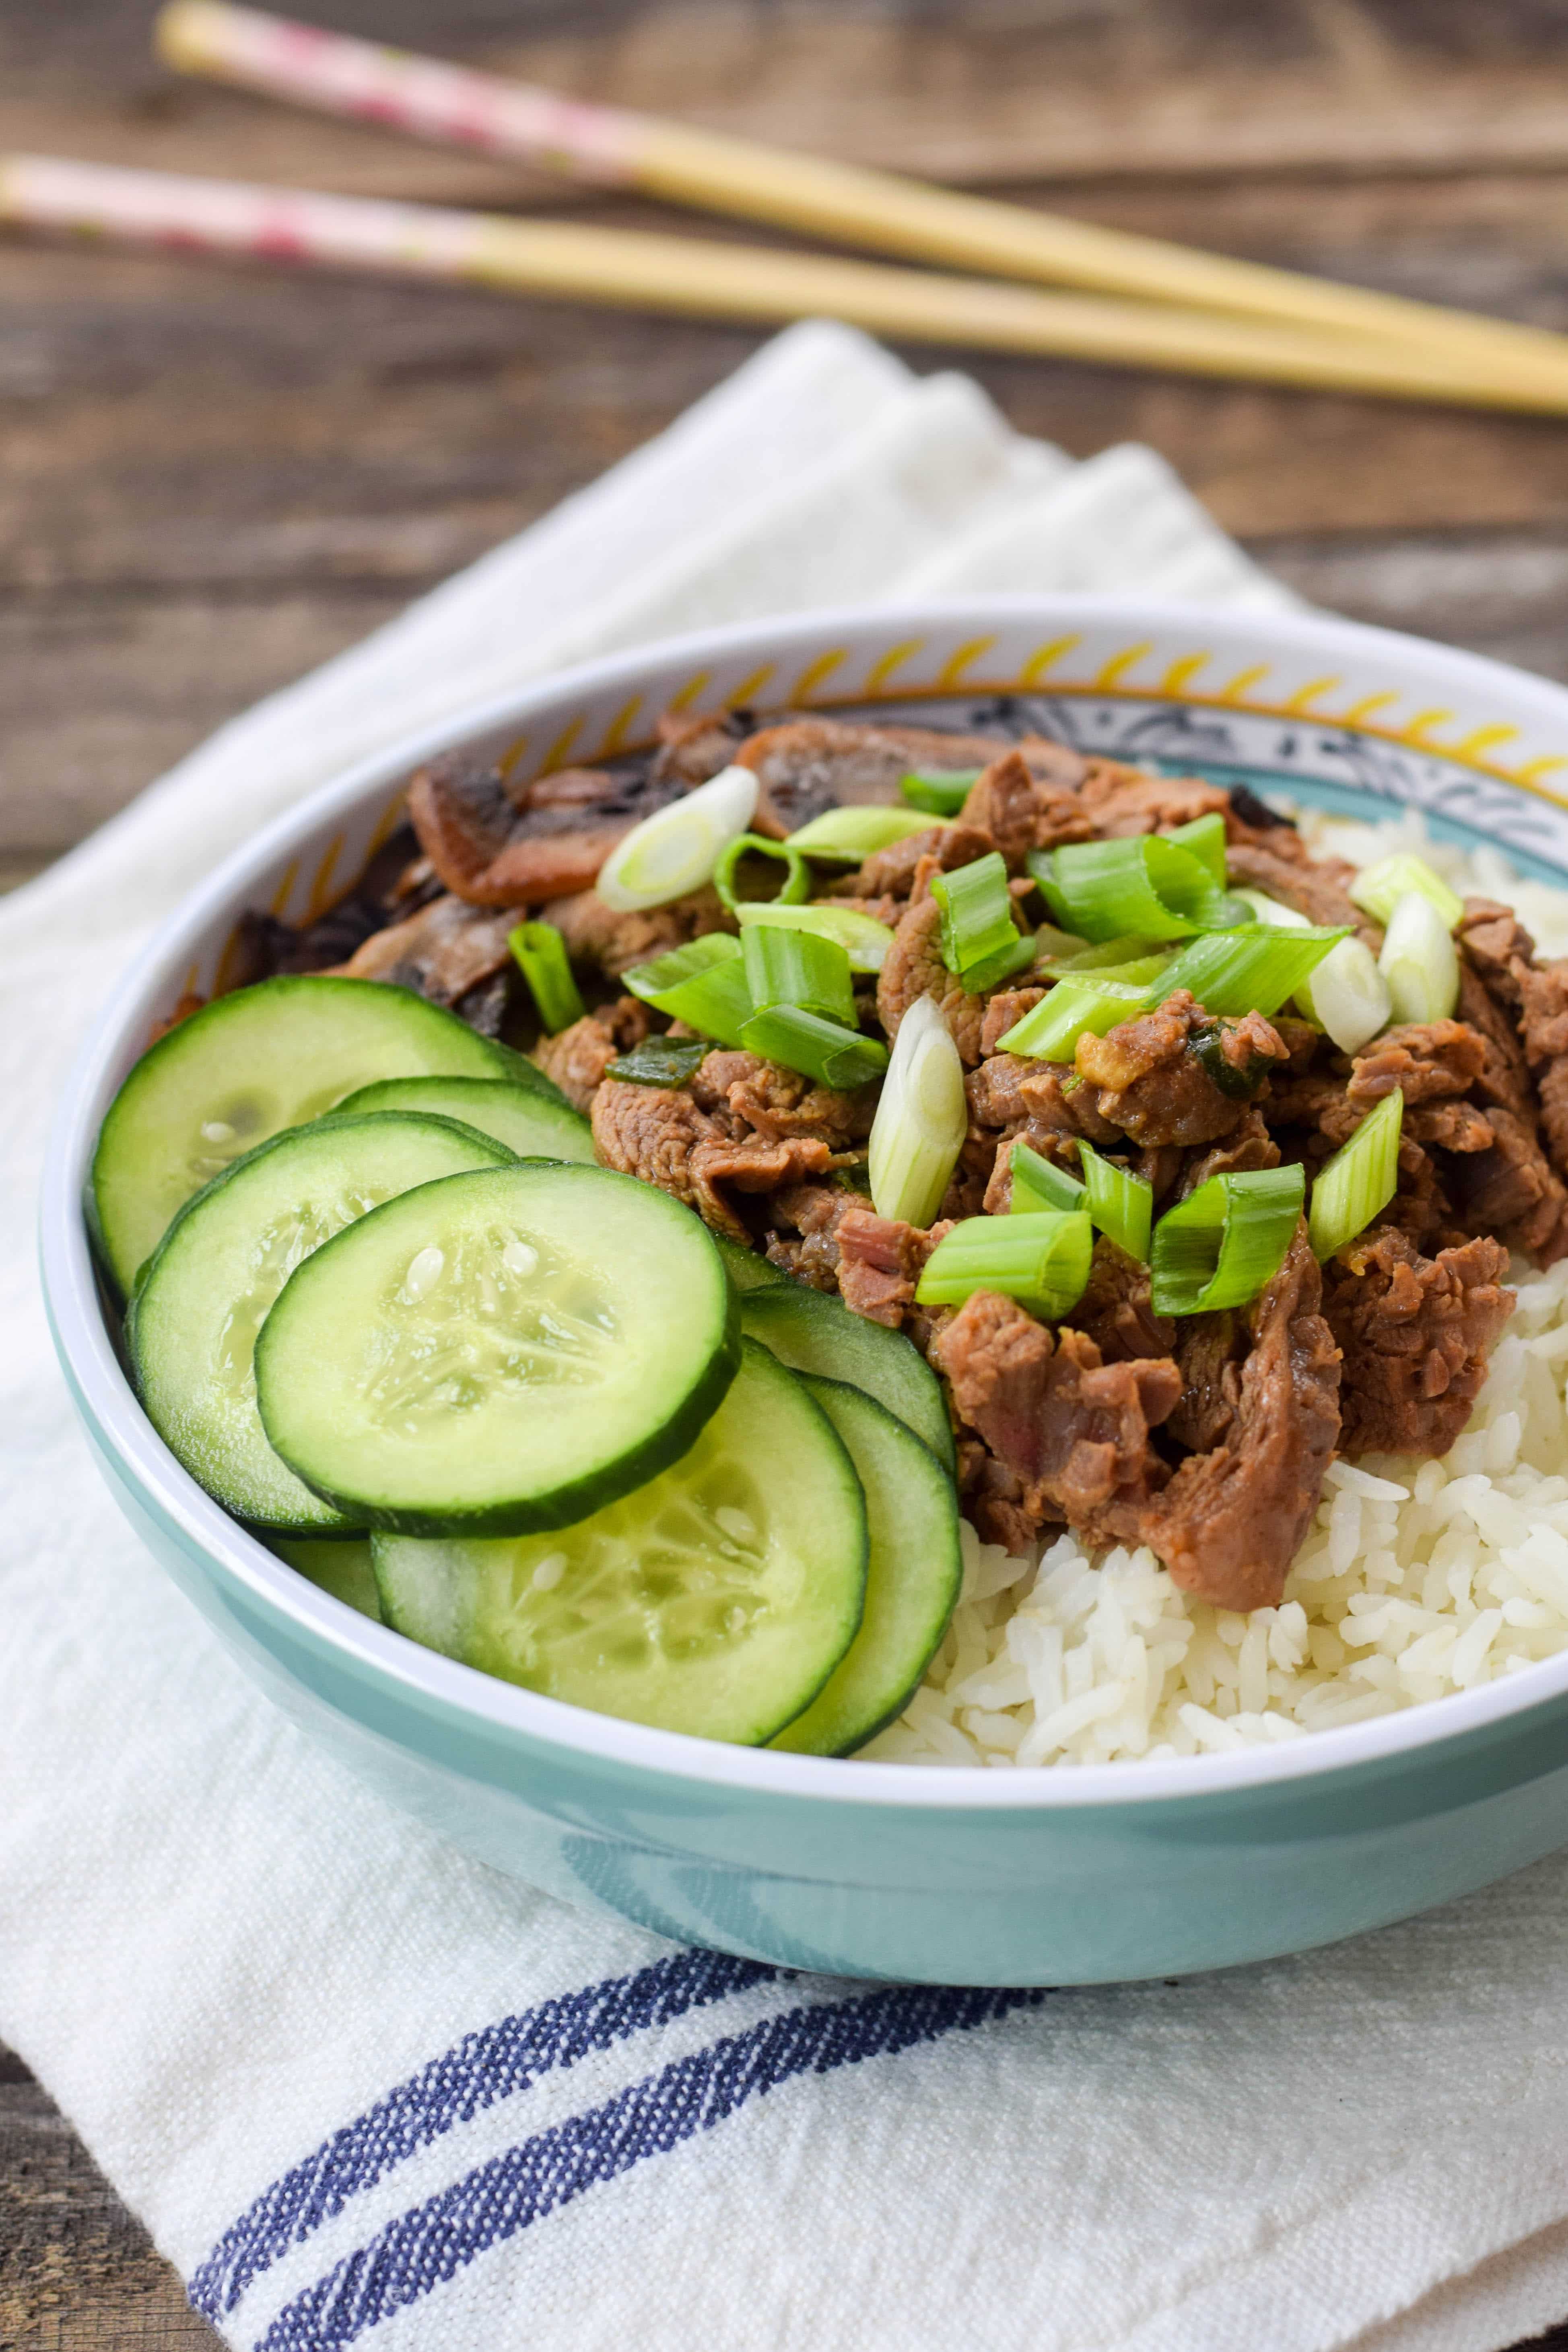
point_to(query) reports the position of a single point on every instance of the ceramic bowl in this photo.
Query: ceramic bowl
(944, 1875)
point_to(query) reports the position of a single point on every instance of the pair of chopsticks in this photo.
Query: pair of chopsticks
(1138, 302)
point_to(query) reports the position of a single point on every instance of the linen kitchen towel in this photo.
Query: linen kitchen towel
(365, 2092)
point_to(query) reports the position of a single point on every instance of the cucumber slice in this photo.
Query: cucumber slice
(715, 1601)
(341, 1568)
(521, 1117)
(813, 1333)
(749, 1269)
(241, 1069)
(504, 1352)
(915, 1570)
(209, 1285)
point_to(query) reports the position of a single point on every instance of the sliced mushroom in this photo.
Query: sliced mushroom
(442, 952)
(810, 765)
(500, 845)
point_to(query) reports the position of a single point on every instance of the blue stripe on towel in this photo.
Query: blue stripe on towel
(432, 2242)
(484, 2067)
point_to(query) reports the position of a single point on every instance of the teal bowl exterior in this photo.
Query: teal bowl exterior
(946, 1876)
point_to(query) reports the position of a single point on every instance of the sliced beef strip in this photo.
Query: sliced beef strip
(1175, 1076)
(596, 935)
(890, 873)
(994, 1500)
(662, 1135)
(1018, 811)
(1232, 1520)
(443, 952)
(1316, 887)
(880, 1264)
(1530, 1002)
(500, 844)
(1416, 1333)
(914, 969)
(1072, 1430)
(1249, 1145)
(1426, 1060)
(692, 750)
(810, 765)
(1008, 1006)
(1116, 1310)
(816, 1212)
(1123, 801)
(576, 1058)
(1210, 1352)
(764, 1099)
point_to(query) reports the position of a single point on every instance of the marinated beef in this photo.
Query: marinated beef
(1231, 1520)
(1116, 1310)
(914, 969)
(443, 952)
(890, 873)
(808, 766)
(1249, 1145)
(1416, 1333)
(764, 1099)
(692, 750)
(1072, 1430)
(499, 845)
(595, 934)
(577, 1058)
(1317, 889)
(815, 1213)
(880, 1262)
(1017, 810)
(1175, 1076)
(1123, 801)
(662, 1135)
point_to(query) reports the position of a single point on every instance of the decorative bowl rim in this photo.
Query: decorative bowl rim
(108, 1402)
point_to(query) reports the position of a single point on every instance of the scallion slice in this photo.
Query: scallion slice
(1203, 839)
(1120, 1203)
(797, 968)
(1361, 1179)
(1225, 1242)
(1419, 961)
(1041, 1258)
(796, 884)
(676, 849)
(864, 941)
(823, 1050)
(1074, 1007)
(980, 941)
(1148, 886)
(1109, 955)
(846, 835)
(940, 792)
(1254, 968)
(1379, 887)
(660, 1061)
(702, 983)
(1039, 1183)
(540, 952)
(921, 1120)
(1346, 994)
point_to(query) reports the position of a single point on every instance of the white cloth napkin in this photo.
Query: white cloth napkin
(362, 2090)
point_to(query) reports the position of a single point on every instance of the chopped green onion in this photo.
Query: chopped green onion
(823, 1050)
(1039, 1183)
(1225, 1242)
(1041, 1258)
(980, 941)
(1120, 1203)
(864, 941)
(1136, 974)
(796, 968)
(848, 835)
(1419, 961)
(702, 983)
(1254, 969)
(1203, 839)
(1107, 956)
(660, 1061)
(921, 1120)
(1049, 941)
(798, 873)
(1379, 887)
(540, 953)
(676, 849)
(940, 792)
(1148, 886)
(1347, 995)
(1073, 1008)
(1361, 1179)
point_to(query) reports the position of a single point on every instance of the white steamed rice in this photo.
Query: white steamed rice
(1416, 1578)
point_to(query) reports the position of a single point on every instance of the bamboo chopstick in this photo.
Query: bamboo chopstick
(840, 202)
(632, 270)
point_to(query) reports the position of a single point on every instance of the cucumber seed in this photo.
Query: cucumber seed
(217, 1130)
(736, 1523)
(550, 1572)
(425, 1271)
(520, 1258)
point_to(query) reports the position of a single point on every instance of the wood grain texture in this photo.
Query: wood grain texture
(213, 477)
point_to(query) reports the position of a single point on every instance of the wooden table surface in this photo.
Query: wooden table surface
(213, 477)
